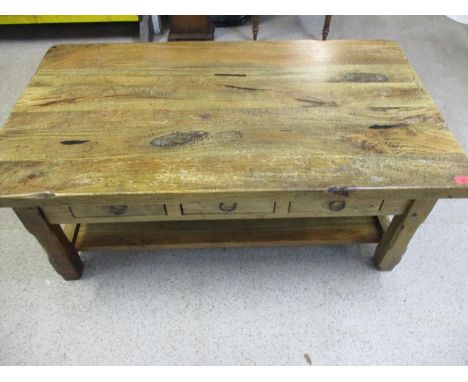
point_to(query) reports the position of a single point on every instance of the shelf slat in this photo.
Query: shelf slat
(225, 233)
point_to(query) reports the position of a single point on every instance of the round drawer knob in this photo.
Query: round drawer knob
(227, 207)
(337, 205)
(118, 210)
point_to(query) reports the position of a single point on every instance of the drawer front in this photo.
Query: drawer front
(117, 210)
(334, 206)
(224, 207)
(229, 207)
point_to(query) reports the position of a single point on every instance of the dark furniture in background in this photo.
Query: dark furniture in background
(325, 30)
(228, 21)
(146, 28)
(190, 28)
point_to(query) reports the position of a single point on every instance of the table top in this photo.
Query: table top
(208, 117)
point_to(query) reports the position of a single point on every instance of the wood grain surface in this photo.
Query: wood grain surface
(225, 233)
(133, 120)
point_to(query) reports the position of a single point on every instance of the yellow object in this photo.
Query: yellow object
(49, 19)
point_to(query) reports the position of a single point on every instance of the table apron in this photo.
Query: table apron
(214, 208)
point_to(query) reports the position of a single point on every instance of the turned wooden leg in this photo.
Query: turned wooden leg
(62, 254)
(146, 28)
(255, 21)
(396, 237)
(326, 27)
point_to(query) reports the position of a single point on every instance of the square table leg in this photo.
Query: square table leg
(395, 239)
(61, 253)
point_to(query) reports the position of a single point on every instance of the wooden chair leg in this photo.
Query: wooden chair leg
(146, 28)
(61, 253)
(400, 231)
(255, 22)
(326, 27)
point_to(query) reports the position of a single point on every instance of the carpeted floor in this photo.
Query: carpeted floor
(263, 306)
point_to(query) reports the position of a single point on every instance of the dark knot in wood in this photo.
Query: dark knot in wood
(365, 77)
(387, 126)
(178, 139)
(74, 142)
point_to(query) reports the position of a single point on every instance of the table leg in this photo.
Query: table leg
(255, 22)
(61, 253)
(146, 28)
(326, 27)
(395, 239)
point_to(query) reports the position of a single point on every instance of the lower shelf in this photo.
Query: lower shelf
(224, 233)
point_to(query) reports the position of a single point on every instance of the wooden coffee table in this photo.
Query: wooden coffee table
(226, 144)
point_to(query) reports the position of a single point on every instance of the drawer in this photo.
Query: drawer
(117, 210)
(228, 206)
(334, 206)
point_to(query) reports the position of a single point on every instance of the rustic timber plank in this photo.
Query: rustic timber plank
(227, 233)
(61, 253)
(126, 122)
